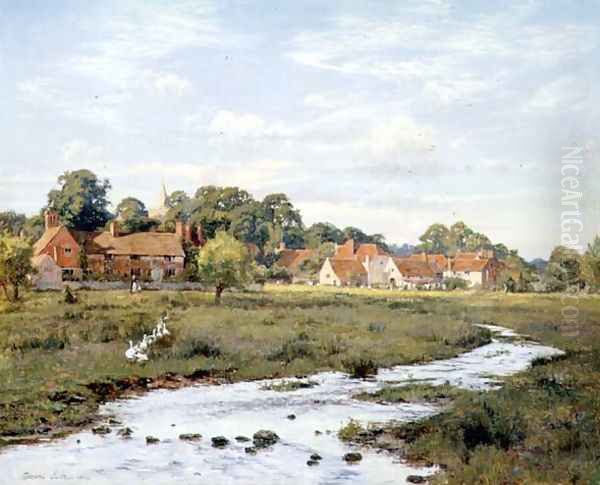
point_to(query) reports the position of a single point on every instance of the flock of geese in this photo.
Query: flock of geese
(139, 352)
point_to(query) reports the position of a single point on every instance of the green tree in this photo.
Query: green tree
(248, 224)
(590, 265)
(34, 227)
(81, 201)
(563, 270)
(15, 263)
(321, 232)
(12, 222)
(133, 215)
(281, 212)
(224, 262)
(435, 239)
(356, 234)
(458, 235)
(313, 265)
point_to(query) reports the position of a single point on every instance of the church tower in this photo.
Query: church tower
(160, 211)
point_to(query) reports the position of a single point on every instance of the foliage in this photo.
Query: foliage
(360, 366)
(224, 263)
(81, 201)
(590, 265)
(564, 270)
(15, 263)
(133, 216)
(456, 284)
(12, 223)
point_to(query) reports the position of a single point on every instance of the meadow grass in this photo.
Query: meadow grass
(542, 426)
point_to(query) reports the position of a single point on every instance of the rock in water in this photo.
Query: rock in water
(101, 430)
(265, 438)
(312, 462)
(151, 440)
(416, 479)
(219, 442)
(190, 437)
(353, 457)
(125, 432)
(250, 450)
(242, 439)
(316, 457)
(291, 417)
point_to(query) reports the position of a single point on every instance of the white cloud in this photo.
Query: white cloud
(396, 136)
(565, 93)
(168, 83)
(233, 125)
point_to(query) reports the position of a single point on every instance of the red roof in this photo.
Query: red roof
(370, 250)
(473, 264)
(346, 269)
(293, 258)
(410, 268)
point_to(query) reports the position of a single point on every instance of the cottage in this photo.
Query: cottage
(410, 273)
(148, 255)
(343, 272)
(476, 268)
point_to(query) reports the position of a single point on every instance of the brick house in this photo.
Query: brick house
(148, 255)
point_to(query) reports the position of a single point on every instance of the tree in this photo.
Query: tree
(563, 270)
(133, 215)
(224, 262)
(313, 265)
(458, 235)
(34, 227)
(435, 239)
(12, 222)
(81, 201)
(321, 232)
(15, 263)
(281, 212)
(356, 234)
(248, 224)
(590, 265)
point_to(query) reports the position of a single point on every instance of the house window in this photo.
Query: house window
(136, 272)
(109, 257)
(328, 276)
(169, 258)
(67, 250)
(169, 272)
(134, 257)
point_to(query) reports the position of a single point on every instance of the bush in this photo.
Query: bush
(350, 431)
(197, 346)
(360, 367)
(456, 284)
(298, 347)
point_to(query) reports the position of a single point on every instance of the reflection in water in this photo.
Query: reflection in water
(242, 409)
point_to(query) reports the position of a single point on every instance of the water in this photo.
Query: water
(242, 409)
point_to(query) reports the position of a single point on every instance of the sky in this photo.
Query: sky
(388, 116)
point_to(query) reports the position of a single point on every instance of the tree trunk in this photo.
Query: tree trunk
(16, 292)
(218, 292)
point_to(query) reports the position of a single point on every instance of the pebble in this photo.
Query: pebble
(353, 457)
(151, 440)
(219, 441)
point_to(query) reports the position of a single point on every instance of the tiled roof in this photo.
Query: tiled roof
(346, 250)
(467, 264)
(137, 244)
(414, 268)
(46, 238)
(370, 250)
(345, 269)
(293, 258)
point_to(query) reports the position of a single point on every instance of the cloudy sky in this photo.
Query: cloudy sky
(384, 115)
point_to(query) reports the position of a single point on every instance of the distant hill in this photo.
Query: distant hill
(404, 250)
(540, 264)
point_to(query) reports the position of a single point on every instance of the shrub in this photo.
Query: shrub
(297, 347)
(350, 430)
(455, 284)
(360, 367)
(197, 346)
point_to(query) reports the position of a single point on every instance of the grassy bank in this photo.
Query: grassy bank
(541, 427)
(50, 351)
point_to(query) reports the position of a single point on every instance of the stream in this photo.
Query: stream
(244, 408)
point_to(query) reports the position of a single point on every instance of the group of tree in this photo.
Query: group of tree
(568, 270)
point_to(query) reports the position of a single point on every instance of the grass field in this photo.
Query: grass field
(50, 349)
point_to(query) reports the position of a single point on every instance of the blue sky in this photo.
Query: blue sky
(384, 115)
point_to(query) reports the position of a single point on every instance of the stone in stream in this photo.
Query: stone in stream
(242, 439)
(312, 462)
(219, 441)
(152, 440)
(190, 437)
(291, 417)
(265, 438)
(125, 432)
(416, 479)
(101, 430)
(316, 457)
(250, 450)
(318, 433)
(114, 421)
(353, 457)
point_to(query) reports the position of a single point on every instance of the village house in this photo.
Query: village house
(292, 260)
(476, 268)
(147, 255)
(412, 272)
(343, 272)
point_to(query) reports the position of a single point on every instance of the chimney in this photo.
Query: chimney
(424, 256)
(114, 228)
(187, 232)
(281, 246)
(179, 228)
(50, 219)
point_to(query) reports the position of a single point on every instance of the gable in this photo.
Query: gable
(51, 235)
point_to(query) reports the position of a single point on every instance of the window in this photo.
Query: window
(169, 272)
(67, 250)
(109, 257)
(135, 257)
(169, 258)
